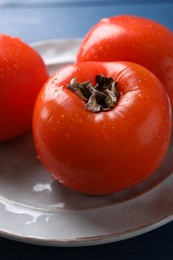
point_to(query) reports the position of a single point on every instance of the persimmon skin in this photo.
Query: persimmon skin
(22, 75)
(135, 39)
(102, 153)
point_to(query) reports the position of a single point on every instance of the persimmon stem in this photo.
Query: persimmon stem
(101, 97)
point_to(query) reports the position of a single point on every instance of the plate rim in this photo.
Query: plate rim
(88, 241)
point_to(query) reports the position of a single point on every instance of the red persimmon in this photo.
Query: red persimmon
(135, 39)
(110, 137)
(22, 74)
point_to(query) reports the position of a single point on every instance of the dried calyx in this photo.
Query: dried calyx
(101, 97)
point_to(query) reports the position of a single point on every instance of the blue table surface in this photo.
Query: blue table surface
(43, 19)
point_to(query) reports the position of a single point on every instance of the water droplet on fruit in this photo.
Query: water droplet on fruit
(38, 157)
(67, 135)
(169, 69)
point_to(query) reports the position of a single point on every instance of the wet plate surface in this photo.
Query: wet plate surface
(36, 209)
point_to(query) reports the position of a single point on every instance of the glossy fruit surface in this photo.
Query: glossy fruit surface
(102, 152)
(22, 74)
(135, 39)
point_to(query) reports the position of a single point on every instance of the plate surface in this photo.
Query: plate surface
(36, 209)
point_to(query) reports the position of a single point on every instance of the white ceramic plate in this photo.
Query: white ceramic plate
(36, 209)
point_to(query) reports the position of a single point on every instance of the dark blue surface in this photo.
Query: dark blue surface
(40, 20)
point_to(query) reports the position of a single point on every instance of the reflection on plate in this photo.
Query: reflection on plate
(36, 209)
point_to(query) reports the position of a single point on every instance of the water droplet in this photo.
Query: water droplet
(67, 135)
(169, 69)
(38, 157)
